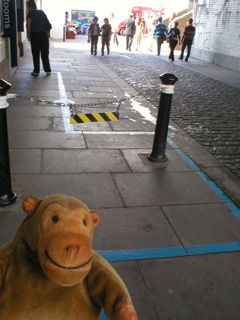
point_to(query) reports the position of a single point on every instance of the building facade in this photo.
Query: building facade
(217, 38)
(13, 39)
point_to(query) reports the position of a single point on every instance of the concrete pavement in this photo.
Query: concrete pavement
(171, 232)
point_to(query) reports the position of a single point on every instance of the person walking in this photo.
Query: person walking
(106, 35)
(130, 31)
(38, 29)
(173, 38)
(171, 21)
(150, 26)
(160, 31)
(94, 32)
(187, 39)
(139, 32)
(114, 29)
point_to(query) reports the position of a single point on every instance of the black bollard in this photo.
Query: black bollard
(7, 196)
(160, 138)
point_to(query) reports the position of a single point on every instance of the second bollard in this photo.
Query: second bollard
(160, 138)
(7, 196)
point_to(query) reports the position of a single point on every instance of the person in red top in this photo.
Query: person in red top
(187, 39)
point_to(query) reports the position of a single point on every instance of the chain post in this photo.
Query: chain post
(160, 138)
(7, 196)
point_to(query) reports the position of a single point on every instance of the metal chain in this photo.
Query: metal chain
(75, 105)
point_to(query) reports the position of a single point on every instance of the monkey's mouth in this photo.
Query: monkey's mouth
(66, 268)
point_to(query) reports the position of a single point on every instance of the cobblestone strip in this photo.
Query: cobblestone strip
(206, 109)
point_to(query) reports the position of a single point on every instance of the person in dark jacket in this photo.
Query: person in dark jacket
(38, 28)
(160, 32)
(187, 39)
(130, 31)
(94, 32)
(106, 35)
(173, 37)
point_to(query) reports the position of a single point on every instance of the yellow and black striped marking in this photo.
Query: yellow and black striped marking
(94, 117)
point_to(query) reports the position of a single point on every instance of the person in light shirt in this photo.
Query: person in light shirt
(114, 25)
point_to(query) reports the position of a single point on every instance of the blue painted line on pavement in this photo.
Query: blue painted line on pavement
(142, 254)
(194, 250)
(168, 252)
(222, 196)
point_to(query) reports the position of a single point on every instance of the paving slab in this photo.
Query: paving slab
(10, 219)
(20, 123)
(132, 277)
(106, 89)
(227, 182)
(95, 83)
(21, 92)
(199, 288)
(34, 111)
(19, 85)
(133, 228)
(137, 160)
(54, 86)
(141, 204)
(203, 223)
(96, 95)
(20, 102)
(88, 74)
(58, 124)
(43, 139)
(96, 190)
(49, 93)
(119, 141)
(166, 188)
(79, 161)
(25, 161)
(131, 124)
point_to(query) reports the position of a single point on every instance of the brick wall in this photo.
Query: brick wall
(217, 36)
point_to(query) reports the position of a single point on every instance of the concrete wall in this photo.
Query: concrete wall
(56, 15)
(4, 59)
(2, 49)
(217, 36)
(23, 41)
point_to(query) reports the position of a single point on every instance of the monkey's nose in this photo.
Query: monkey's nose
(71, 252)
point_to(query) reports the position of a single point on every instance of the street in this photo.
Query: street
(171, 232)
(208, 110)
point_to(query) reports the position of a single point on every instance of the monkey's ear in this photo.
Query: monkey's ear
(95, 218)
(30, 204)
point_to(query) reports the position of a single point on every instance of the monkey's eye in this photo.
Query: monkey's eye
(84, 222)
(55, 219)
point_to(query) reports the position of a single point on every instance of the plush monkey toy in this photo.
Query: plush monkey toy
(49, 271)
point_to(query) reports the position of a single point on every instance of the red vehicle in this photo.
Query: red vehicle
(140, 12)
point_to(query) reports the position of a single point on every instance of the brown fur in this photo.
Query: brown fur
(49, 271)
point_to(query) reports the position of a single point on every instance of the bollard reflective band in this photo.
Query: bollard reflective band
(3, 100)
(166, 88)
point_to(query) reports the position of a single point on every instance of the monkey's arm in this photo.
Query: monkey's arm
(108, 290)
(3, 267)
